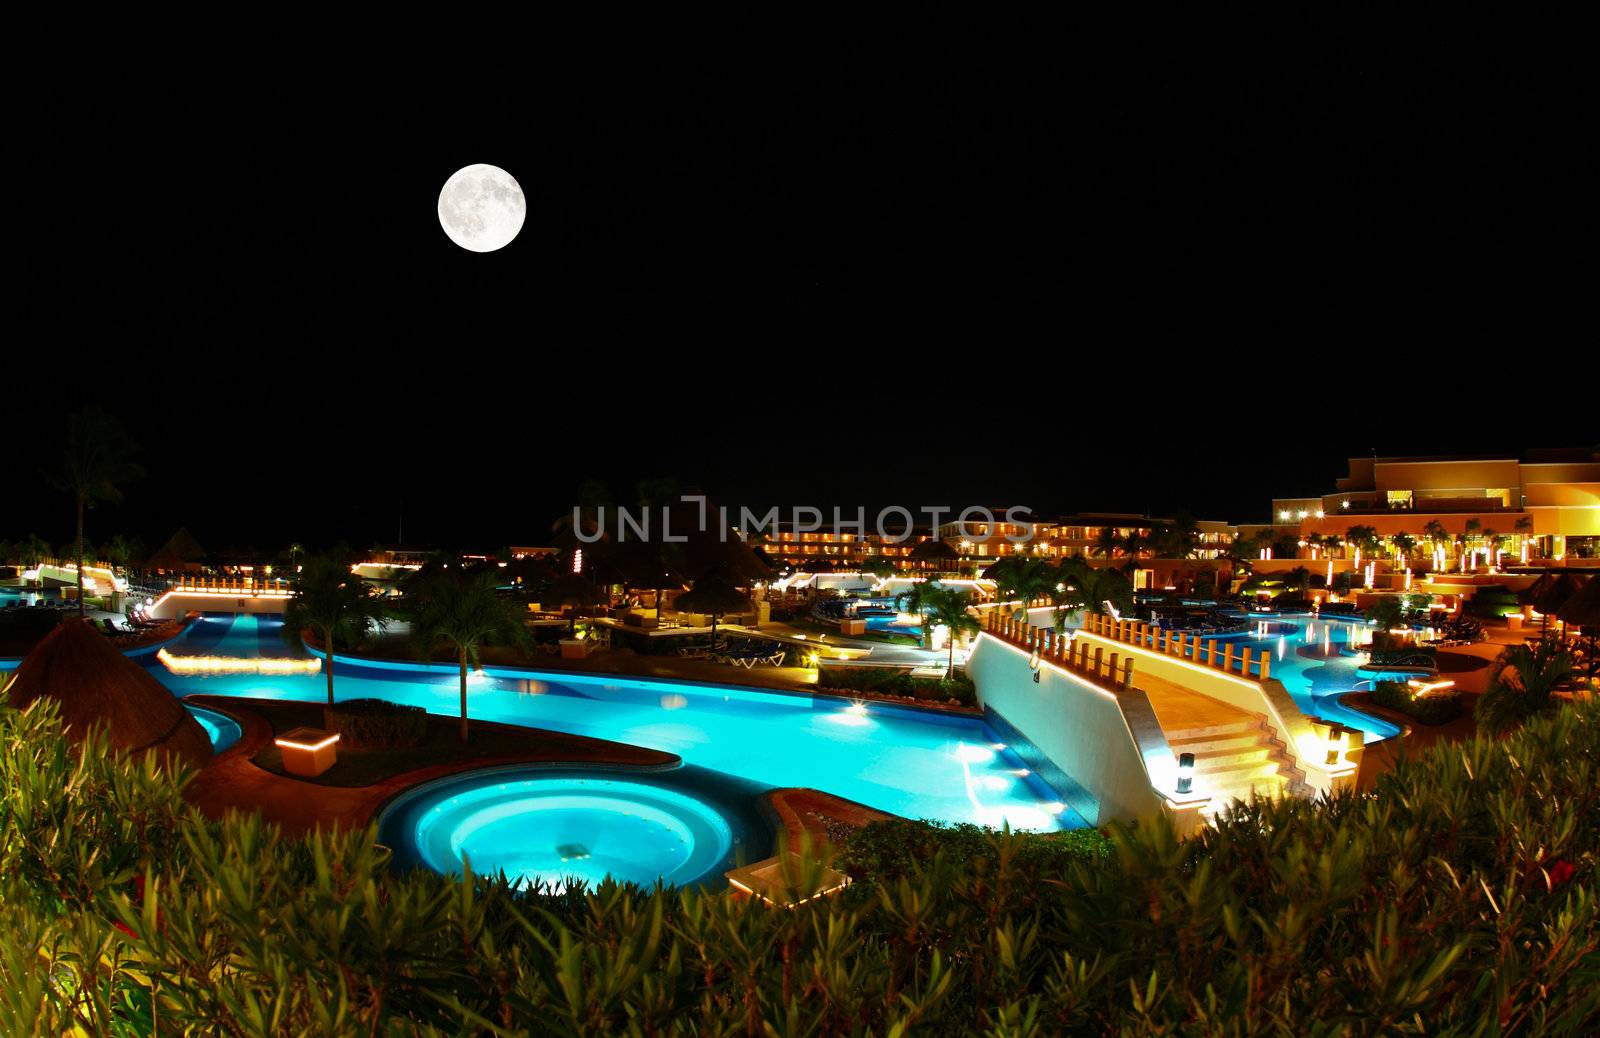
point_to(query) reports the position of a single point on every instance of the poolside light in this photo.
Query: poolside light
(1185, 772)
(1335, 744)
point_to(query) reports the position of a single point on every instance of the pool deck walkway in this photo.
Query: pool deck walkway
(232, 781)
(1182, 709)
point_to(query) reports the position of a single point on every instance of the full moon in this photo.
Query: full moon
(481, 208)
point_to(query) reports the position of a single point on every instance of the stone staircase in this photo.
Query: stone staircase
(1238, 758)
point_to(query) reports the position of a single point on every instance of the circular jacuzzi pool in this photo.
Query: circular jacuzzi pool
(542, 827)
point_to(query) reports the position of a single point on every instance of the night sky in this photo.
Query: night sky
(1146, 288)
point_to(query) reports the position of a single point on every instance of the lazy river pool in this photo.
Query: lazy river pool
(914, 763)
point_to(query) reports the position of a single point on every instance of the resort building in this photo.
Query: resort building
(786, 545)
(1542, 506)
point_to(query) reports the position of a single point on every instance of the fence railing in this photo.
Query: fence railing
(226, 586)
(1189, 645)
(1110, 670)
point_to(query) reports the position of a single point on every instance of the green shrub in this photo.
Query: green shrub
(378, 723)
(1434, 708)
(887, 851)
(1459, 898)
(894, 681)
(1493, 601)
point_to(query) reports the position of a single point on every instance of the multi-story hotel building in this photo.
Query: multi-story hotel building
(1548, 500)
(786, 544)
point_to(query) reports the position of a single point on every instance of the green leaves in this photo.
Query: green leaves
(1459, 898)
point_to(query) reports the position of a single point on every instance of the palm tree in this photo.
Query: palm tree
(1133, 544)
(714, 595)
(919, 598)
(1179, 538)
(1523, 683)
(1106, 543)
(332, 601)
(947, 608)
(1083, 587)
(97, 461)
(1026, 579)
(465, 612)
(31, 551)
(1364, 539)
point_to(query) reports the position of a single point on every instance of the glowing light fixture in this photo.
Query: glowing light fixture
(1185, 773)
(297, 744)
(1335, 745)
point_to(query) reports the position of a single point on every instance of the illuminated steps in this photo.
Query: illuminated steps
(1235, 760)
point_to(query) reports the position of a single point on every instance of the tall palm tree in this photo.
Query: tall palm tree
(1085, 588)
(1106, 542)
(947, 608)
(332, 601)
(1022, 578)
(1179, 538)
(465, 612)
(919, 598)
(97, 462)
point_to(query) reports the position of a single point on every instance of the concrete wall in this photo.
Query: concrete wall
(1110, 745)
(174, 604)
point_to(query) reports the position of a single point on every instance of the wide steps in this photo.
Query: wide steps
(1207, 745)
(1214, 760)
(1230, 729)
(1242, 773)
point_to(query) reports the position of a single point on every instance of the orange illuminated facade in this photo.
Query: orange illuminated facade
(1545, 506)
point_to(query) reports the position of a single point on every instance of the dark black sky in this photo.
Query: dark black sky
(1146, 284)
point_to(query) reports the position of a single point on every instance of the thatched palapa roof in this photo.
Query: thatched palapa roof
(1583, 608)
(93, 683)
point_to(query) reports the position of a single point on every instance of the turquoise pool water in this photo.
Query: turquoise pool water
(222, 730)
(913, 763)
(1314, 659)
(537, 826)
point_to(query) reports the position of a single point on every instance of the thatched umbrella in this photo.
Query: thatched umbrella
(1530, 594)
(1557, 594)
(181, 552)
(572, 590)
(93, 684)
(713, 594)
(931, 553)
(1583, 611)
(1583, 608)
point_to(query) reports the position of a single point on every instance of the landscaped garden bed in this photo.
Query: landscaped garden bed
(436, 744)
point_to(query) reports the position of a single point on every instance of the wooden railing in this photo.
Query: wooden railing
(229, 586)
(1188, 645)
(1111, 671)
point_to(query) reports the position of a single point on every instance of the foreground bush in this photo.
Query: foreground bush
(1458, 900)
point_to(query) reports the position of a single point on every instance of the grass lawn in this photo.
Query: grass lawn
(363, 767)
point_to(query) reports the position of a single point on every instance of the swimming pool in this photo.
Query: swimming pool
(222, 730)
(549, 826)
(919, 764)
(1314, 659)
